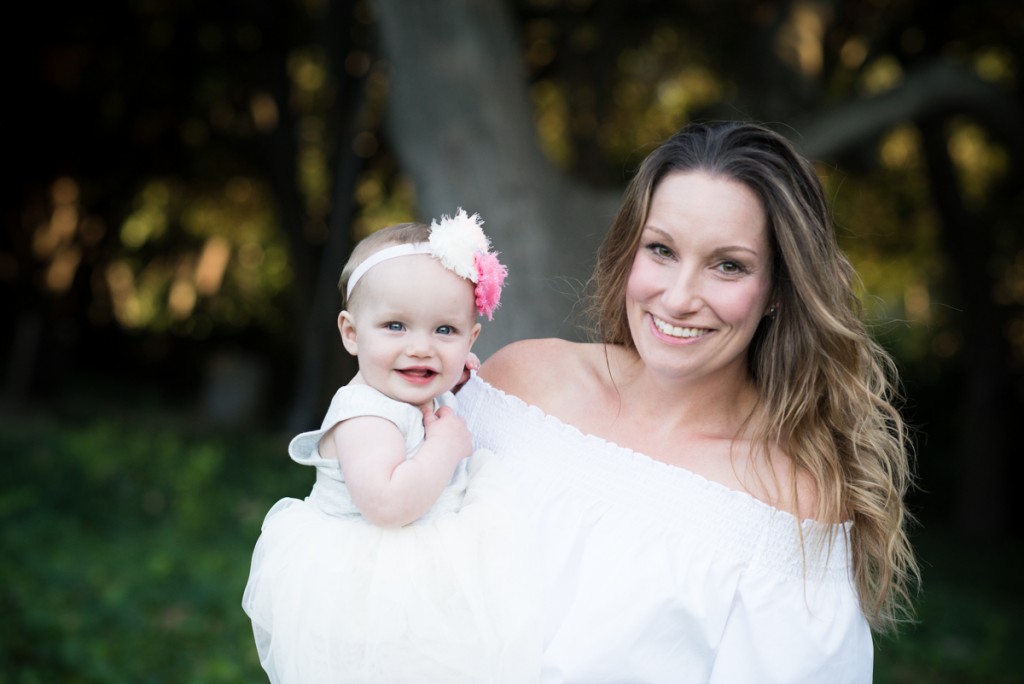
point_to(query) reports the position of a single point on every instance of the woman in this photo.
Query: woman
(718, 482)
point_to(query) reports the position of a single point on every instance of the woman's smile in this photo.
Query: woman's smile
(666, 328)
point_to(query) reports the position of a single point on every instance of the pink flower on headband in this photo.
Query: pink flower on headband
(491, 276)
(460, 244)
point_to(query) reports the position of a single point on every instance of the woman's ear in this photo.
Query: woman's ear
(347, 328)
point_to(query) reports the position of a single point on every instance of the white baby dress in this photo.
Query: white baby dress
(448, 598)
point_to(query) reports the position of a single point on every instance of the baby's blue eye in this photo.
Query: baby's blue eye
(395, 326)
(445, 330)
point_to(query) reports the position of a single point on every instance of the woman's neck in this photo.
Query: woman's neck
(717, 404)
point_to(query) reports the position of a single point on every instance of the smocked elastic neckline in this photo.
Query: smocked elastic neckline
(624, 474)
(605, 446)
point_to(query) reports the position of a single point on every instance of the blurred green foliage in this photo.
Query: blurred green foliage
(968, 627)
(125, 547)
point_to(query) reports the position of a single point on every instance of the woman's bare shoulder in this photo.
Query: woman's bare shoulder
(529, 369)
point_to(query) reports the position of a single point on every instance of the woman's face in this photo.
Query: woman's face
(701, 278)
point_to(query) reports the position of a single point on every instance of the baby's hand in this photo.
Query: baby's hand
(446, 427)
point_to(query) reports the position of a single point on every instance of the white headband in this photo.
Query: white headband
(392, 252)
(459, 244)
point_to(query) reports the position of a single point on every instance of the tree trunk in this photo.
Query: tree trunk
(322, 365)
(461, 122)
(982, 504)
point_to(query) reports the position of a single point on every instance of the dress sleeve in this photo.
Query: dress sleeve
(793, 621)
(351, 401)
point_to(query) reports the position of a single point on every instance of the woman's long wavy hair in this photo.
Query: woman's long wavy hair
(826, 389)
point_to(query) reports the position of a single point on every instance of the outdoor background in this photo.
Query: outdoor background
(185, 179)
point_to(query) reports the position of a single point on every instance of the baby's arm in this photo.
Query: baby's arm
(388, 489)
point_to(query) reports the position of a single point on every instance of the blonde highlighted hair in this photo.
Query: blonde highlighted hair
(826, 389)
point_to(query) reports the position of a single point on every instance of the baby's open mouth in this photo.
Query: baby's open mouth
(418, 372)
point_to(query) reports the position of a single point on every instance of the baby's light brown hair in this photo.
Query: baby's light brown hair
(397, 234)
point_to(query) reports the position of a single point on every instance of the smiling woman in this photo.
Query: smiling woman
(701, 279)
(716, 484)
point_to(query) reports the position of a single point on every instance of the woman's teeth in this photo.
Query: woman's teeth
(675, 331)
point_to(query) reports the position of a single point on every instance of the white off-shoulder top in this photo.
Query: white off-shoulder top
(653, 574)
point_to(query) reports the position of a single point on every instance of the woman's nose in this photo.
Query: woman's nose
(682, 292)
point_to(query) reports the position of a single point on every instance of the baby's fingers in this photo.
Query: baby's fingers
(444, 412)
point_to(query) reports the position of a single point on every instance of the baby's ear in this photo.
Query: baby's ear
(473, 333)
(347, 328)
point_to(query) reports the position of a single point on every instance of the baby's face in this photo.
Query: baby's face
(411, 324)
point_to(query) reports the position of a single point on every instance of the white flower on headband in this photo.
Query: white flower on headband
(456, 241)
(460, 245)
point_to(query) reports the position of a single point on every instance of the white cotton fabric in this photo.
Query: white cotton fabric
(447, 599)
(652, 574)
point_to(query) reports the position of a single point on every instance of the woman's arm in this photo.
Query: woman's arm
(388, 489)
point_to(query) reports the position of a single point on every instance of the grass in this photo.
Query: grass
(125, 546)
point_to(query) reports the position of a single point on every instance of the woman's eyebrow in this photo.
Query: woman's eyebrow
(659, 231)
(725, 249)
